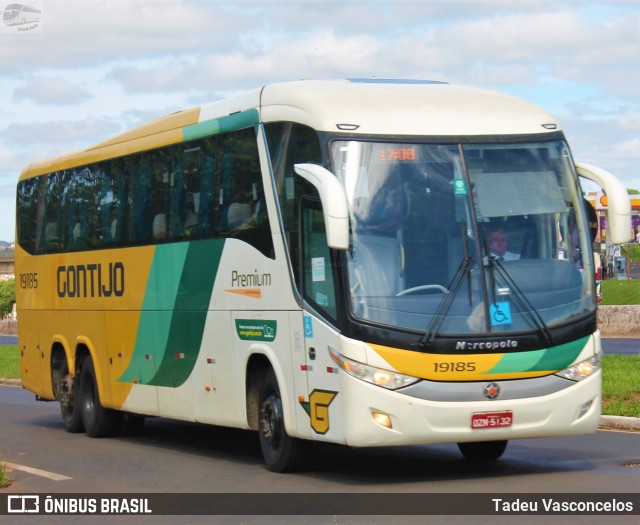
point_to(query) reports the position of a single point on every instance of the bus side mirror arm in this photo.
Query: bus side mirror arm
(619, 212)
(334, 203)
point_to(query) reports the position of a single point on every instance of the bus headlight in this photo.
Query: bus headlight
(583, 369)
(376, 376)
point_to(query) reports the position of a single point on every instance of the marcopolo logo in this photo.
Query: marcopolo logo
(20, 18)
(486, 345)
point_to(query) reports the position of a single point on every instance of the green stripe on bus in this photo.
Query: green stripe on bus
(240, 120)
(555, 358)
(189, 313)
(157, 310)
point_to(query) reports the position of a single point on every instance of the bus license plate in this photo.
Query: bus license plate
(491, 420)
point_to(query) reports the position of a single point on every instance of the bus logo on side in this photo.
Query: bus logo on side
(317, 408)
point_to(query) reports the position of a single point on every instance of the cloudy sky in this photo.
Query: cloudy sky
(94, 68)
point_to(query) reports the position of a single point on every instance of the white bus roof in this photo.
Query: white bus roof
(391, 107)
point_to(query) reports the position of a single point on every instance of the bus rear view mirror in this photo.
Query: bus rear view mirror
(618, 221)
(334, 203)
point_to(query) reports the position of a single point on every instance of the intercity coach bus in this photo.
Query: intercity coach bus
(361, 262)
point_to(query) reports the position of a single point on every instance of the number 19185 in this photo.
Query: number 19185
(28, 280)
(454, 366)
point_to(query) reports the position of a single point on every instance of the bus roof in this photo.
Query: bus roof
(402, 108)
(363, 106)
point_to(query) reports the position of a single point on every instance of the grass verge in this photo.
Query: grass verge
(4, 480)
(616, 292)
(9, 362)
(621, 385)
(620, 380)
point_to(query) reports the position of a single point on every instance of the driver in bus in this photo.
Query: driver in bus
(498, 243)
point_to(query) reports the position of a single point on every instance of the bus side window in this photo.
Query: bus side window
(30, 203)
(240, 202)
(317, 267)
(290, 143)
(53, 213)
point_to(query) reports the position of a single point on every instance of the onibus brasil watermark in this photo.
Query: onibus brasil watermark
(21, 18)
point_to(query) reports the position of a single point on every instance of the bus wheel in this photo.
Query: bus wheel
(69, 408)
(281, 452)
(483, 450)
(98, 421)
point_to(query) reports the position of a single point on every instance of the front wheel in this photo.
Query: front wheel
(281, 452)
(98, 420)
(483, 450)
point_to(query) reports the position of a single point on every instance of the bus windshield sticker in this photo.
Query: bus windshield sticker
(459, 187)
(322, 299)
(500, 313)
(318, 269)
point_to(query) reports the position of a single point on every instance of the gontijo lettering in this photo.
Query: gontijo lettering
(90, 280)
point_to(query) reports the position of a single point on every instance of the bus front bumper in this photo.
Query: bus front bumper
(374, 416)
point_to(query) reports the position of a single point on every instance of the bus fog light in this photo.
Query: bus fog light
(584, 409)
(582, 370)
(384, 420)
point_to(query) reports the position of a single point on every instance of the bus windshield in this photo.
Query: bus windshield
(465, 238)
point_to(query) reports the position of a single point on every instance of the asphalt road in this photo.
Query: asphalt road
(178, 457)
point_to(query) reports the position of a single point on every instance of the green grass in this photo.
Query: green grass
(4, 480)
(9, 362)
(620, 292)
(632, 251)
(620, 383)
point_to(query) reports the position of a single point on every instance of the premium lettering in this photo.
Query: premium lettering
(250, 279)
(90, 280)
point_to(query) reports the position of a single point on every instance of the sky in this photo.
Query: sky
(92, 68)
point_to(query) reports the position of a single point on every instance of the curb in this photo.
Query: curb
(628, 424)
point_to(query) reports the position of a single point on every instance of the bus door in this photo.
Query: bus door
(322, 401)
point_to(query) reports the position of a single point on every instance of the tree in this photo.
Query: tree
(7, 296)
(632, 191)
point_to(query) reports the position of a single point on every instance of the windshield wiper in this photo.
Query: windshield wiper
(464, 268)
(520, 298)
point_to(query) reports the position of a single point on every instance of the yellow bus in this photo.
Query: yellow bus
(361, 262)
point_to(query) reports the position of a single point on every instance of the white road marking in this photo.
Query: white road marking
(38, 472)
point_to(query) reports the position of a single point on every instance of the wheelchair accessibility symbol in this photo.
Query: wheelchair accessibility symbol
(500, 314)
(308, 327)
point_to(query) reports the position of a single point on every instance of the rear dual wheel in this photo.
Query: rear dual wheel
(98, 421)
(67, 393)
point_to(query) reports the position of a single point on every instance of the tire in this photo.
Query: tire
(69, 406)
(483, 450)
(281, 452)
(98, 421)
